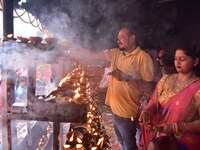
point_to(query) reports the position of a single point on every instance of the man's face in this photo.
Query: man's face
(123, 39)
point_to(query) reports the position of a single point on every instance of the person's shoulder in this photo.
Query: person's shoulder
(168, 76)
(115, 49)
(165, 77)
(142, 52)
(112, 50)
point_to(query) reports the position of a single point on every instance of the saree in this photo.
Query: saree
(169, 106)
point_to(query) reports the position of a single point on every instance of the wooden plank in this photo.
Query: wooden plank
(6, 142)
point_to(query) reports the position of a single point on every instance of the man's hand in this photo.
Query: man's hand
(119, 75)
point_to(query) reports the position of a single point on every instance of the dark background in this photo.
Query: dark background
(94, 23)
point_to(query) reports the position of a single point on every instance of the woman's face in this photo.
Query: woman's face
(183, 63)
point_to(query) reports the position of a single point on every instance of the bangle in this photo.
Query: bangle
(182, 127)
(185, 127)
(176, 128)
(173, 128)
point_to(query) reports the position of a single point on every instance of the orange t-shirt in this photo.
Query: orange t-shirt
(124, 100)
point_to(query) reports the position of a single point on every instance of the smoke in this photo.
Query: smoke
(92, 24)
(58, 23)
(18, 54)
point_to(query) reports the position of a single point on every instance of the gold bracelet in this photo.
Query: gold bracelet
(182, 127)
(173, 128)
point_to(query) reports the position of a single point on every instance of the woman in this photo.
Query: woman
(166, 62)
(174, 107)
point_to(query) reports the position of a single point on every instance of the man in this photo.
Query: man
(131, 68)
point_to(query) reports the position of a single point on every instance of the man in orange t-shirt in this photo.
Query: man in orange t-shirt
(131, 73)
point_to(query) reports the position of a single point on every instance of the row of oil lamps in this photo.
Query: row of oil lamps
(91, 136)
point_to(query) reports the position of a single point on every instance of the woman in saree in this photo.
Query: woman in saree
(174, 107)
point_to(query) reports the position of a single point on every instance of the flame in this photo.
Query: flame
(76, 96)
(82, 74)
(77, 90)
(79, 145)
(90, 121)
(10, 35)
(64, 80)
(75, 70)
(66, 146)
(93, 108)
(72, 137)
(79, 140)
(89, 114)
(90, 106)
(87, 85)
(76, 84)
(100, 142)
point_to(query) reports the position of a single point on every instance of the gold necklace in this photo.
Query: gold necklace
(179, 85)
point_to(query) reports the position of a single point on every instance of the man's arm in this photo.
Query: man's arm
(143, 86)
(146, 86)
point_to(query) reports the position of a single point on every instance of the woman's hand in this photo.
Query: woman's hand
(145, 117)
(166, 128)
